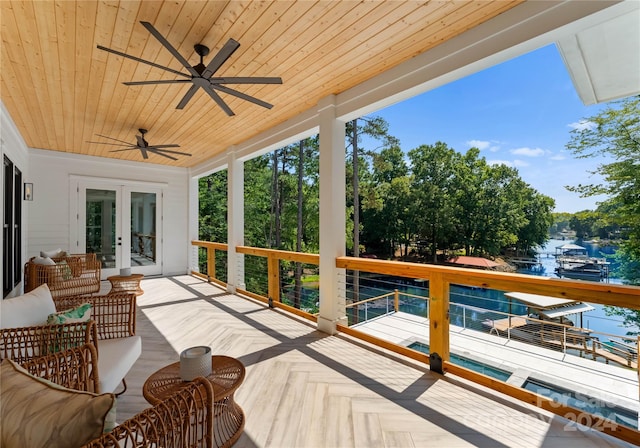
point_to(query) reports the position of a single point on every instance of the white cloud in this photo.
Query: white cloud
(483, 144)
(528, 152)
(558, 157)
(520, 163)
(582, 125)
(480, 144)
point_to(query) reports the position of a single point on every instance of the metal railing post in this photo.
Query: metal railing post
(464, 317)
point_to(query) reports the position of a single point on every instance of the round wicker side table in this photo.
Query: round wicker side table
(226, 376)
(126, 283)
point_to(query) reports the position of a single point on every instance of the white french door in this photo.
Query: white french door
(121, 223)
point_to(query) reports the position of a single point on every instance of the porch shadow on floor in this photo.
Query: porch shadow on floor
(304, 388)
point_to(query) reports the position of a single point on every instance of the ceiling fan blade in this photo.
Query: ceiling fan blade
(124, 149)
(220, 58)
(187, 96)
(246, 80)
(242, 95)
(163, 81)
(155, 149)
(218, 100)
(163, 146)
(161, 154)
(169, 47)
(111, 138)
(153, 64)
(144, 153)
(110, 144)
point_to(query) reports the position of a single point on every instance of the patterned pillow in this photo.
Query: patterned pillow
(81, 313)
(64, 270)
(37, 413)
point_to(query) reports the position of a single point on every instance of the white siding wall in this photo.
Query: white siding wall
(13, 146)
(50, 215)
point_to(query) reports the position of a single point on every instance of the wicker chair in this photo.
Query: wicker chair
(72, 275)
(182, 420)
(115, 314)
(23, 344)
(112, 331)
(74, 368)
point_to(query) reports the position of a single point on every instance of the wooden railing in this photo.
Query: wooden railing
(273, 272)
(440, 279)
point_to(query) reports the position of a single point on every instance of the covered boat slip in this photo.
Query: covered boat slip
(559, 333)
(546, 307)
(550, 307)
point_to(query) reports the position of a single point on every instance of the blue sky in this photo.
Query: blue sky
(520, 113)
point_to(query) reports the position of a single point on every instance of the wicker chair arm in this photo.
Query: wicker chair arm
(115, 314)
(80, 274)
(74, 368)
(183, 420)
(25, 343)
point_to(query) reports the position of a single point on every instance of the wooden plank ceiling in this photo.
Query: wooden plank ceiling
(62, 91)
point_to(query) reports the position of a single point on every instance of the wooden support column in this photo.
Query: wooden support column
(438, 322)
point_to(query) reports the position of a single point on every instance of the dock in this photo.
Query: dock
(525, 263)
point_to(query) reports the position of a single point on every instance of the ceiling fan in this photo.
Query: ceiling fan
(144, 146)
(200, 75)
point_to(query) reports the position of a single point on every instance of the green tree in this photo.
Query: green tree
(614, 134)
(501, 210)
(560, 222)
(537, 211)
(583, 223)
(433, 186)
(212, 198)
(387, 204)
(212, 218)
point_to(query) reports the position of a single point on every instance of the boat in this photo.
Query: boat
(573, 261)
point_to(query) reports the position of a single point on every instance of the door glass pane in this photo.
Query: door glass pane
(101, 225)
(143, 229)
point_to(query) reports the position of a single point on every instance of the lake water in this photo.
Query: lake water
(597, 320)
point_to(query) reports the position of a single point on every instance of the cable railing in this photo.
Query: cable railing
(568, 339)
(450, 303)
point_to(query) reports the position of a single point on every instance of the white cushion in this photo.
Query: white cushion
(53, 253)
(27, 310)
(115, 359)
(43, 260)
